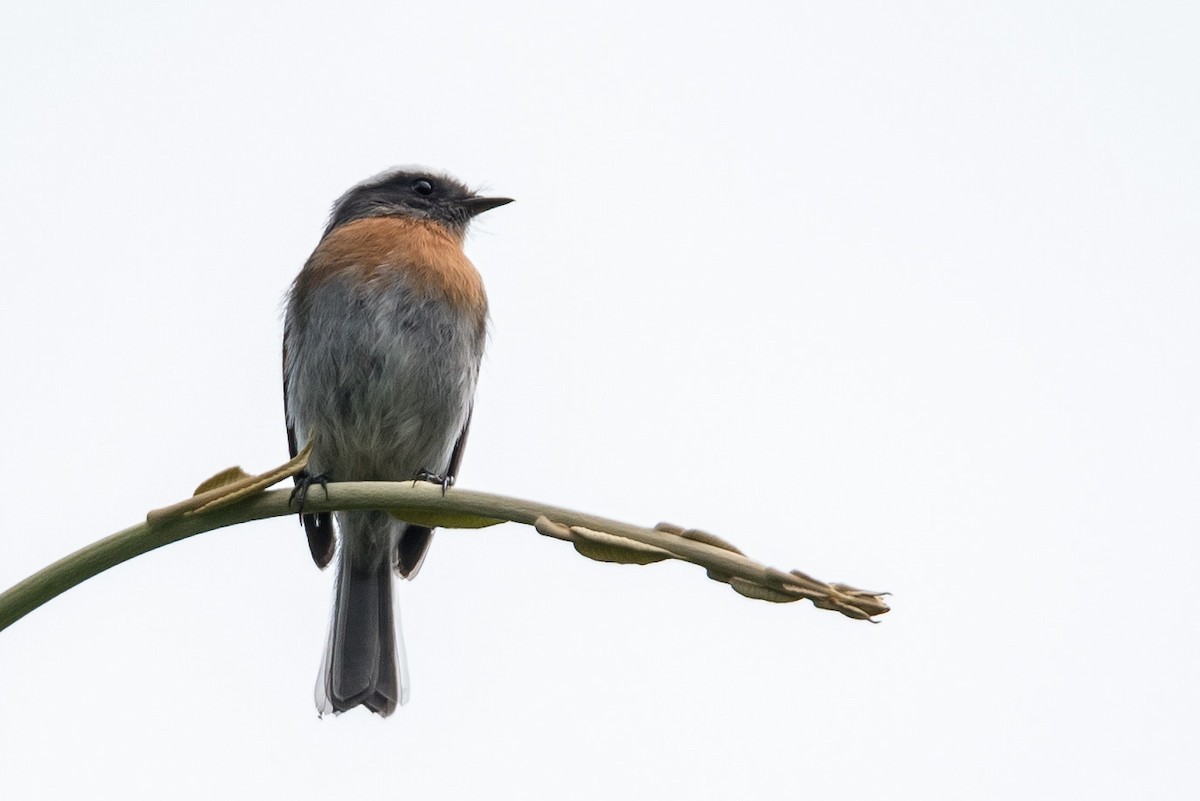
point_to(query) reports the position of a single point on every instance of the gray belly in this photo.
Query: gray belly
(379, 380)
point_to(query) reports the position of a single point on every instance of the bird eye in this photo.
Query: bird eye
(423, 187)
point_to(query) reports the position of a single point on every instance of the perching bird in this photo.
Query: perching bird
(382, 341)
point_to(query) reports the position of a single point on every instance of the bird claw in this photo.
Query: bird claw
(445, 482)
(304, 482)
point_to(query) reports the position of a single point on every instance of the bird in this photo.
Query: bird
(384, 332)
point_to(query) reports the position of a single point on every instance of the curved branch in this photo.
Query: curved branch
(237, 498)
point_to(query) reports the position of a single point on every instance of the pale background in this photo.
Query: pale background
(903, 295)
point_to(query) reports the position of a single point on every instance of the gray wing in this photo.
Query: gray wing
(318, 527)
(416, 539)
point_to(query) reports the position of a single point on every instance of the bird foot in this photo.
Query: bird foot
(445, 482)
(304, 482)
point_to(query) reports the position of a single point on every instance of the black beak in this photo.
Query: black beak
(478, 205)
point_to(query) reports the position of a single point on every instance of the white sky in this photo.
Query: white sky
(903, 295)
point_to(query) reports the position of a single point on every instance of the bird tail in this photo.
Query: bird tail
(364, 655)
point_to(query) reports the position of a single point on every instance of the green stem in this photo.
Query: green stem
(419, 501)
